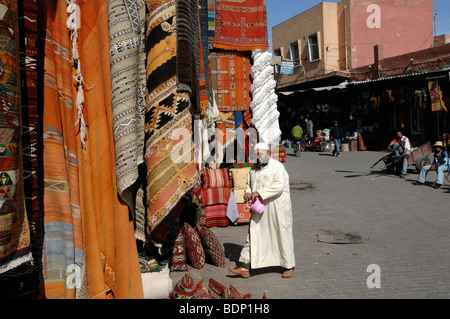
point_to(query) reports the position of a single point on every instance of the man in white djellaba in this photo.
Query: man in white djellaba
(270, 239)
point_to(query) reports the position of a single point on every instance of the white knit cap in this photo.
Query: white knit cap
(262, 146)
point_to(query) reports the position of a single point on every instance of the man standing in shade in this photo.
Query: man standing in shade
(336, 135)
(270, 240)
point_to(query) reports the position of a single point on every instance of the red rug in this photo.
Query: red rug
(231, 81)
(241, 25)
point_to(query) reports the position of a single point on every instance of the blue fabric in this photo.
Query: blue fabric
(337, 148)
(440, 173)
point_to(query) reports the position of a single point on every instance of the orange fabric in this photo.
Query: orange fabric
(62, 220)
(85, 223)
(109, 243)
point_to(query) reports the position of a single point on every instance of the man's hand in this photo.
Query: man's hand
(433, 168)
(255, 195)
(248, 197)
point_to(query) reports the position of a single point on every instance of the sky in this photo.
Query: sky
(282, 10)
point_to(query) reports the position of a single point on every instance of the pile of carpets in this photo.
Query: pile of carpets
(186, 288)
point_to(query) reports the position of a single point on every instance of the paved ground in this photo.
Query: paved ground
(405, 231)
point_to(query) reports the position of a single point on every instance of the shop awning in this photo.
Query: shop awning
(340, 86)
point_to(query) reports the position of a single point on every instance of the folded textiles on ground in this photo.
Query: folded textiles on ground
(186, 288)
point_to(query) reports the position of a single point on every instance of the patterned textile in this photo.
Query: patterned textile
(184, 289)
(85, 222)
(227, 119)
(244, 214)
(178, 261)
(31, 115)
(237, 294)
(213, 248)
(211, 22)
(14, 228)
(161, 231)
(217, 290)
(205, 93)
(63, 240)
(202, 218)
(171, 171)
(194, 248)
(216, 178)
(189, 49)
(127, 61)
(231, 80)
(241, 165)
(148, 265)
(108, 231)
(216, 215)
(241, 25)
(214, 196)
(202, 290)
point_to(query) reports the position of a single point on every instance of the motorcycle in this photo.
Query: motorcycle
(315, 144)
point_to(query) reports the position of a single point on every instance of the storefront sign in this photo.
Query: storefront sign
(287, 67)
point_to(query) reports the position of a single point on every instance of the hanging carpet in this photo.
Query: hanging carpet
(172, 88)
(231, 80)
(241, 25)
(63, 242)
(127, 59)
(86, 224)
(14, 227)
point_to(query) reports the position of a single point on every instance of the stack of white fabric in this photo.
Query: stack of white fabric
(265, 114)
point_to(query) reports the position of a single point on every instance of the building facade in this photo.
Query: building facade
(328, 40)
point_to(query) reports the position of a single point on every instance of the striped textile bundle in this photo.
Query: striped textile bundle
(216, 215)
(215, 196)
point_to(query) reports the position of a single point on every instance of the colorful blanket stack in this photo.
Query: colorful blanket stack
(215, 195)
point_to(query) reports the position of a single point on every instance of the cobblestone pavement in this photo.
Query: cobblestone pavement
(405, 231)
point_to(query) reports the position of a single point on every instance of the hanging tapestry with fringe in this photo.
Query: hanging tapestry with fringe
(169, 154)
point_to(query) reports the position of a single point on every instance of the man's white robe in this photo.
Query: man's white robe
(270, 241)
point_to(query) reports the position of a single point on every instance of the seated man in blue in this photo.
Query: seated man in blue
(440, 164)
